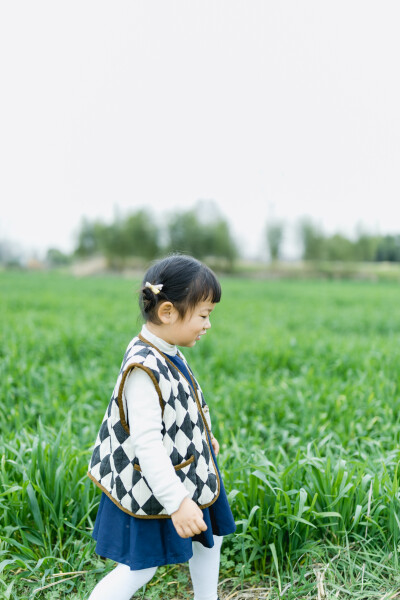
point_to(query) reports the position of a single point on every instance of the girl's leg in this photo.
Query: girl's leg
(121, 583)
(204, 570)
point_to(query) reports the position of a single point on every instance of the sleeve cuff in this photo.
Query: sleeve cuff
(175, 503)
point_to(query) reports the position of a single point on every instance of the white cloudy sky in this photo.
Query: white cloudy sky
(270, 108)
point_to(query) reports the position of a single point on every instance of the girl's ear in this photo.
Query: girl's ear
(165, 312)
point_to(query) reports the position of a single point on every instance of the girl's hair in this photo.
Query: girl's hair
(185, 282)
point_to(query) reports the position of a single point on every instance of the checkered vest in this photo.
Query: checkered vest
(115, 469)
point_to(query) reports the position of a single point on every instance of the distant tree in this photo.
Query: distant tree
(187, 233)
(312, 240)
(56, 258)
(133, 235)
(90, 238)
(220, 241)
(338, 247)
(389, 249)
(274, 233)
(366, 247)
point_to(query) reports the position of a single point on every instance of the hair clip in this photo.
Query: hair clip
(156, 288)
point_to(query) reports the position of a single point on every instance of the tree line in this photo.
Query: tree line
(138, 235)
(315, 245)
(337, 247)
(204, 233)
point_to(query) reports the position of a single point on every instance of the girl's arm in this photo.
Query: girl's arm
(145, 426)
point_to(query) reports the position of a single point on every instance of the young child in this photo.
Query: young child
(163, 499)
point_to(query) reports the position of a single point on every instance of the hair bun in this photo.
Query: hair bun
(149, 299)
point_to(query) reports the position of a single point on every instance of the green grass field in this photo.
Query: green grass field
(302, 380)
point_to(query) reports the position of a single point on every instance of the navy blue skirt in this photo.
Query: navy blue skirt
(143, 543)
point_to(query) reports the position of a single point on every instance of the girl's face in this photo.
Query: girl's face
(187, 331)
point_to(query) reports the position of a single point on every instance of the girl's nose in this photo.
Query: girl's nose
(207, 324)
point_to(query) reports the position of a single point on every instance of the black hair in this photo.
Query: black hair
(185, 282)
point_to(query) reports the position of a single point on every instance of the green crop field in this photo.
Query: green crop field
(302, 380)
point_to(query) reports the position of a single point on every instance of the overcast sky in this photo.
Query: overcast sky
(274, 109)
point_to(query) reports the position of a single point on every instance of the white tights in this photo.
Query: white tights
(121, 583)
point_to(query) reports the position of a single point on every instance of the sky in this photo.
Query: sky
(274, 110)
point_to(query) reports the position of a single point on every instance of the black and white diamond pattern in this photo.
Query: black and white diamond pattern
(113, 459)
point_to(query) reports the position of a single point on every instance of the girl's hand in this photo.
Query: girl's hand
(188, 519)
(215, 445)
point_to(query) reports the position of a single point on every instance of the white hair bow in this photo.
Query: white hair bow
(156, 288)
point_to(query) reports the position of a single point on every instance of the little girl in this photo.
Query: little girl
(163, 499)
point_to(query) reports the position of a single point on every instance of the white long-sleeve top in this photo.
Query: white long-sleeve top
(145, 424)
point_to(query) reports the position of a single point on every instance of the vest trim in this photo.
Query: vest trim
(176, 467)
(121, 389)
(125, 510)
